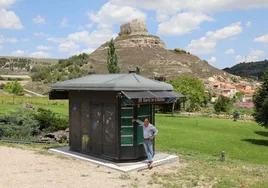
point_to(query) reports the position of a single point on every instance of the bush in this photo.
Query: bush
(236, 115)
(50, 121)
(222, 104)
(180, 50)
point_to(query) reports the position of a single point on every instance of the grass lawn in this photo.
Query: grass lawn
(245, 141)
(7, 108)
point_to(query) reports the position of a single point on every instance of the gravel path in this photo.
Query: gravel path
(26, 168)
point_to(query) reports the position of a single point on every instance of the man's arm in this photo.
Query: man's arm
(138, 121)
(155, 131)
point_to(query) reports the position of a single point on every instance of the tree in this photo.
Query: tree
(192, 88)
(222, 104)
(261, 102)
(112, 61)
(236, 115)
(137, 70)
(14, 88)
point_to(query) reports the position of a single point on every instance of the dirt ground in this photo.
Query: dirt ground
(31, 168)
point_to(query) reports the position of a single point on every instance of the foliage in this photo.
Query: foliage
(14, 88)
(137, 70)
(20, 123)
(261, 102)
(64, 70)
(180, 51)
(112, 61)
(234, 80)
(50, 121)
(193, 89)
(222, 104)
(236, 115)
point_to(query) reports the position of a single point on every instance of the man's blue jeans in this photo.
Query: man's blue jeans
(148, 146)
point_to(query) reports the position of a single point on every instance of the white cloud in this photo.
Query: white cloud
(110, 14)
(55, 39)
(249, 23)
(230, 51)
(212, 60)
(254, 55)
(226, 32)
(11, 40)
(43, 48)
(38, 34)
(64, 22)
(6, 3)
(1, 47)
(40, 54)
(18, 53)
(39, 20)
(170, 7)
(182, 23)
(68, 47)
(262, 39)
(9, 20)
(206, 45)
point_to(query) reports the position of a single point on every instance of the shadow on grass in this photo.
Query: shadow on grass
(257, 142)
(262, 133)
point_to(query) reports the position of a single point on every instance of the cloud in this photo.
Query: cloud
(64, 22)
(110, 14)
(1, 47)
(182, 23)
(9, 20)
(249, 23)
(7, 40)
(212, 60)
(39, 20)
(230, 51)
(68, 47)
(226, 32)
(40, 54)
(25, 40)
(43, 48)
(254, 55)
(39, 34)
(206, 45)
(262, 39)
(55, 39)
(6, 3)
(18, 53)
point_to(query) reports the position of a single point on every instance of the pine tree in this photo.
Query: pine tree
(261, 102)
(112, 61)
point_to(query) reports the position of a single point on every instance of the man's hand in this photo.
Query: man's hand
(134, 120)
(151, 137)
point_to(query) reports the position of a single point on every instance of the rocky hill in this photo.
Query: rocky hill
(22, 65)
(253, 69)
(136, 48)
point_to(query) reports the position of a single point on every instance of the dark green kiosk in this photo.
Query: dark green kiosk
(101, 109)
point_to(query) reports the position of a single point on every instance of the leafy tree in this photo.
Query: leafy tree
(13, 88)
(137, 70)
(193, 89)
(261, 102)
(222, 104)
(112, 61)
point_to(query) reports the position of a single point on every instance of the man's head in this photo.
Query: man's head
(146, 122)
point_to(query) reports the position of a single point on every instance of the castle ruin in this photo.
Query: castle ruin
(135, 27)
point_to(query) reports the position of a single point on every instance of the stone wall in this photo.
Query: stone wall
(135, 27)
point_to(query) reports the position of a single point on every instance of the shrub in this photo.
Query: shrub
(236, 115)
(180, 50)
(222, 104)
(50, 121)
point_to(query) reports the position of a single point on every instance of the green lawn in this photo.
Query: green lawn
(245, 141)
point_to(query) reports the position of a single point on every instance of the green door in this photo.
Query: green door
(127, 136)
(143, 111)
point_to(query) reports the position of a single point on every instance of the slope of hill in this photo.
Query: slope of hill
(149, 53)
(253, 69)
(22, 65)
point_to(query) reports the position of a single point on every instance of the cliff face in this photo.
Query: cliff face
(149, 53)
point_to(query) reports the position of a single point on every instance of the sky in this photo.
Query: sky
(223, 32)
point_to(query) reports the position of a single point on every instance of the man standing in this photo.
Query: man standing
(149, 132)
